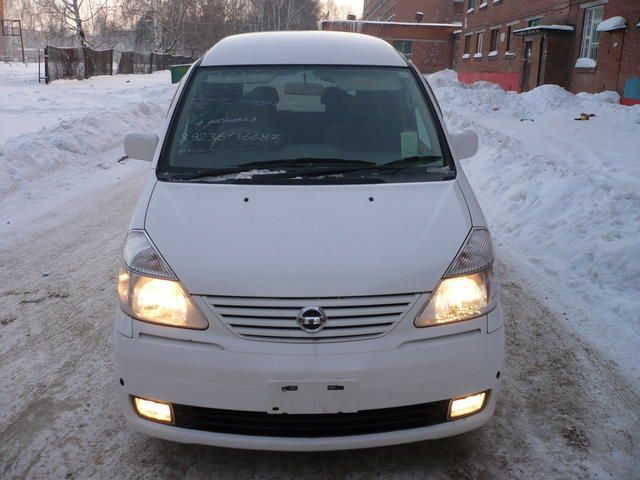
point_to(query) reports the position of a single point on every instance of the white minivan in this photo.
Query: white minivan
(307, 267)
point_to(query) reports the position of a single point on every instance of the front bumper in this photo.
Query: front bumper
(451, 361)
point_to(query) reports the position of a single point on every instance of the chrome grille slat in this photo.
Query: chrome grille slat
(298, 333)
(333, 312)
(335, 323)
(274, 319)
(242, 302)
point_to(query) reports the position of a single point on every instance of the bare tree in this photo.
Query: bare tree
(163, 20)
(286, 14)
(72, 14)
(187, 27)
(330, 10)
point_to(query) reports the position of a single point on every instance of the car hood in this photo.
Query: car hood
(308, 241)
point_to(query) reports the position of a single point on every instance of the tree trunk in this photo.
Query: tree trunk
(157, 27)
(75, 9)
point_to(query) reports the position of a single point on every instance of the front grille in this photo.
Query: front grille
(349, 318)
(311, 425)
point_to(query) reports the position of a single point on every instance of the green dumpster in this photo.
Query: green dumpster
(178, 71)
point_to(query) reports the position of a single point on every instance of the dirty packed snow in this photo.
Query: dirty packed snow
(562, 198)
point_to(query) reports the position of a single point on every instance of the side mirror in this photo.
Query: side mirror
(464, 144)
(141, 146)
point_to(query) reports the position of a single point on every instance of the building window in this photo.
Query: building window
(590, 35)
(508, 39)
(493, 41)
(479, 44)
(390, 14)
(534, 22)
(472, 4)
(405, 47)
(467, 44)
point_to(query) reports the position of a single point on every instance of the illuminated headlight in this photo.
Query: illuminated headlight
(461, 295)
(149, 291)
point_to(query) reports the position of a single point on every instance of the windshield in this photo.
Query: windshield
(309, 123)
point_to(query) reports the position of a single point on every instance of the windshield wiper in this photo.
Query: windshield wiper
(416, 161)
(306, 169)
(302, 164)
(308, 162)
(208, 172)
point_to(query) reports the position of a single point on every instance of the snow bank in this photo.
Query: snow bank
(72, 124)
(562, 199)
(613, 23)
(585, 63)
(74, 143)
(607, 96)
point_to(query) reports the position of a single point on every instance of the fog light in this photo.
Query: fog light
(157, 411)
(465, 406)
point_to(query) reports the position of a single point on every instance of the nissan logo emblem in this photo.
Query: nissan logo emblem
(311, 319)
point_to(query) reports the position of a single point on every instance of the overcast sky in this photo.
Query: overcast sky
(354, 6)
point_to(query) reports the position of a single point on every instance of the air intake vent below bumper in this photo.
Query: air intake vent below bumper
(311, 425)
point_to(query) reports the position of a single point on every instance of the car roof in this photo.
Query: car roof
(303, 48)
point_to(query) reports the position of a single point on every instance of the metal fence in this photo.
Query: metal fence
(84, 62)
(134, 62)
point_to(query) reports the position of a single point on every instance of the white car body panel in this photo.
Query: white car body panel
(303, 48)
(213, 368)
(301, 241)
(312, 241)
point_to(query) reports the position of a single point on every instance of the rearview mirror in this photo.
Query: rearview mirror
(300, 88)
(464, 144)
(141, 146)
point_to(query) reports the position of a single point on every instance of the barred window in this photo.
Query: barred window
(405, 47)
(479, 43)
(590, 35)
(493, 43)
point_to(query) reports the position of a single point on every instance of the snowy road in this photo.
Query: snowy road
(59, 418)
(566, 410)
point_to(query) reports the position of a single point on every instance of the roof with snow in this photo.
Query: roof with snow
(381, 22)
(544, 28)
(613, 23)
(303, 48)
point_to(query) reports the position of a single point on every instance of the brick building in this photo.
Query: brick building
(421, 29)
(428, 45)
(580, 45)
(433, 11)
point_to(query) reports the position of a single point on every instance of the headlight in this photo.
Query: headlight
(467, 289)
(146, 296)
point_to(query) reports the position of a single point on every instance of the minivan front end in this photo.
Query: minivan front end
(229, 391)
(307, 268)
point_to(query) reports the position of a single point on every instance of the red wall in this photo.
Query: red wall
(508, 81)
(432, 46)
(435, 11)
(563, 48)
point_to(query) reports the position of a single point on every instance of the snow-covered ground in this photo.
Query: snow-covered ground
(561, 197)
